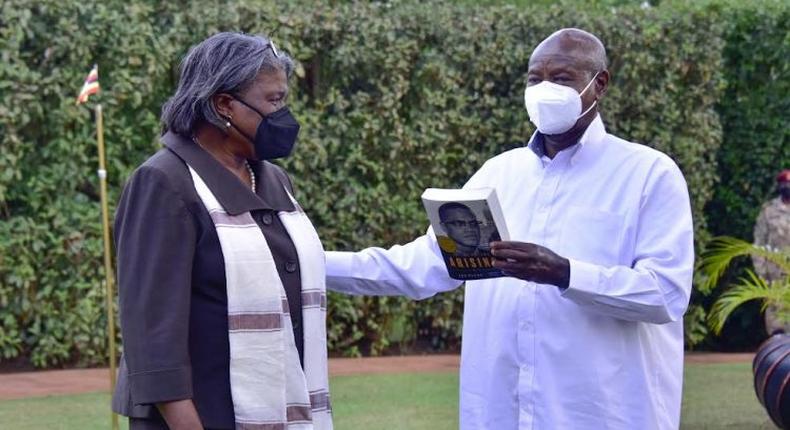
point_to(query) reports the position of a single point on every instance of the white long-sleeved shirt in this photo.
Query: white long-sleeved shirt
(605, 353)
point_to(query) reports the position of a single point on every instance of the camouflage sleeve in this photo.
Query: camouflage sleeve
(760, 239)
(761, 228)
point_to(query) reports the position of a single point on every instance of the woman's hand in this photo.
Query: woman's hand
(180, 415)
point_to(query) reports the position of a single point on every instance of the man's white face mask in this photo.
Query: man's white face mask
(555, 108)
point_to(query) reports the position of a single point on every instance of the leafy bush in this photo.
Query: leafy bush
(393, 97)
(769, 292)
(420, 95)
(756, 140)
(753, 111)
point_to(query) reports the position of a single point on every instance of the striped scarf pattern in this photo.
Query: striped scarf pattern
(270, 389)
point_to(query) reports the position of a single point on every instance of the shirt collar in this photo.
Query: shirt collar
(234, 196)
(595, 133)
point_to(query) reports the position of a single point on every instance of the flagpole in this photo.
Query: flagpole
(108, 281)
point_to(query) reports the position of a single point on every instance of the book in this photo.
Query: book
(465, 222)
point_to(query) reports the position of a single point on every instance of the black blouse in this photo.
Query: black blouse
(171, 279)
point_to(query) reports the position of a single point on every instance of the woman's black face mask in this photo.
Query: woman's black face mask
(276, 134)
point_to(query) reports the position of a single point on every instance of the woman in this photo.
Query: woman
(221, 275)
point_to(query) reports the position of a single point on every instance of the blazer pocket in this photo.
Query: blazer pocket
(592, 236)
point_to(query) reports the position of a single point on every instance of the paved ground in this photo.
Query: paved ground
(54, 382)
(707, 357)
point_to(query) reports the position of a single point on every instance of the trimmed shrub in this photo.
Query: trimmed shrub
(393, 97)
(756, 140)
(753, 110)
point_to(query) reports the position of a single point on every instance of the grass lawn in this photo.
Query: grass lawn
(721, 396)
(716, 396)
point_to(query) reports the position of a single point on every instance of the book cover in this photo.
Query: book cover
(465, 222)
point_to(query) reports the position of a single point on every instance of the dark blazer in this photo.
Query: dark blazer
(171, 279)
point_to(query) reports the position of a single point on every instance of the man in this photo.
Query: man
(462, 227)
(773, 230)
(586, 330)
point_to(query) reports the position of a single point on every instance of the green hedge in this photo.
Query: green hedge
(756, 145)
(420, 96)
(754, 114)
(394, 97)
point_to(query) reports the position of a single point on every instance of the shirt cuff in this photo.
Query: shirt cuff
(339, 264)
(159, 386)
(339, 267)
(583, 282)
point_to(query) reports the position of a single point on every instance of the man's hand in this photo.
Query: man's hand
(532, 263)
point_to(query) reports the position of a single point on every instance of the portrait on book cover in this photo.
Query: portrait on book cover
(465, 235)
(464, 230)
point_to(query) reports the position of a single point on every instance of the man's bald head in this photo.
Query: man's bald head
(582, 47)
(576, 59)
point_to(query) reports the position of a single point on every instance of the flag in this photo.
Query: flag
(91, 85)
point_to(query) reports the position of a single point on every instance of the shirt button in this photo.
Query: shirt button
(266, 218)
(290, 267)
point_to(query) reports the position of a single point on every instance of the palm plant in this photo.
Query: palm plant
(714, 262)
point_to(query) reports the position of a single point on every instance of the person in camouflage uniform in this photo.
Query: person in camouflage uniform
(773, 231)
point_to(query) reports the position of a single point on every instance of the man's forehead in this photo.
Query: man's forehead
(556, 59)
(562, 54)
(459, 212)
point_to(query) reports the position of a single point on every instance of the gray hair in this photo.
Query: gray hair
(223, 63)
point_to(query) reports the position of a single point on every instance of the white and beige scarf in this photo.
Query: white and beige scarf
(269, 388)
